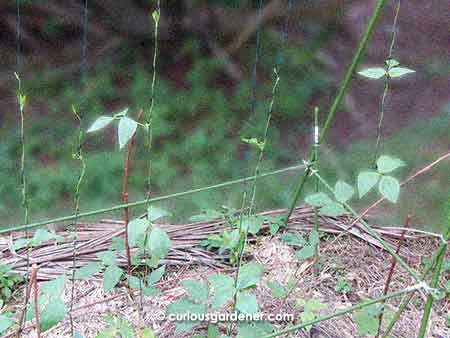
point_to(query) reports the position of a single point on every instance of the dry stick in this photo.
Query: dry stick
(36, 305)
(339, 96)
(381, 199)
(27, 296)
(126, 216)
(391, 272)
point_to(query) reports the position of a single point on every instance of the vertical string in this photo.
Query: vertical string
(257, 56)
(18, 38)
(83, 68)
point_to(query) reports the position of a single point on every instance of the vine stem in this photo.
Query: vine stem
(386, 83)
(79, 156)
(339, 96)
(434, 282)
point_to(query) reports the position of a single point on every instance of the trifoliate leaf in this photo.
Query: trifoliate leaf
(366, 181)
(333, 209)
(127, 128)
(100, 123)
(373, 73)
(386, 164)
(390, 188)
(343, 191)
(318, 199)
(400, 71)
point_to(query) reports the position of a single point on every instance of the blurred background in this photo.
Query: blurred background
(210, 94)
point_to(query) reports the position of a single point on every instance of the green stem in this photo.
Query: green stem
(340, 95)
(316, 210)
(434, 283)
(372, 232)
(341, 312)
(11, 228)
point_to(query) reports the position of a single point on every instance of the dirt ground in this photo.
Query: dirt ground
(362, 266)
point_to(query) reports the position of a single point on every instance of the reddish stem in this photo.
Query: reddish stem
(35, 304)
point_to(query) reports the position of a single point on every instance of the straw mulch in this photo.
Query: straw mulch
(355, 257)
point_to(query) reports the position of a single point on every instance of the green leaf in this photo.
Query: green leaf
(373, 73)
(54, 287)
(252, 224)
(246, 302)
(151, 292)
(278, 290)
(107, 257)
(333, 209)
(117, 244)
(367, 320)
(156, 275)
(136, 231)
(197, 290)
(253, 329)
(400, 71)
(111, 277)
(42, 235)
(155, 16)
(54, 312)
(213, 331)
(293, 239)
(386, 164)
(159, 242)
(154, 213)
(314, 305)
(87, 271)
(390, 63)
(273, 228)
(305, 252)
(134, 282)
(255, 142)
(182, 306)
(19, 244)
(390, 188)
(5, 323)
(147, 333)
(366, 181)
(318, 199)
(249, 275)
(127, 128)
(223, 289)
(100, 123)
(343, 191)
